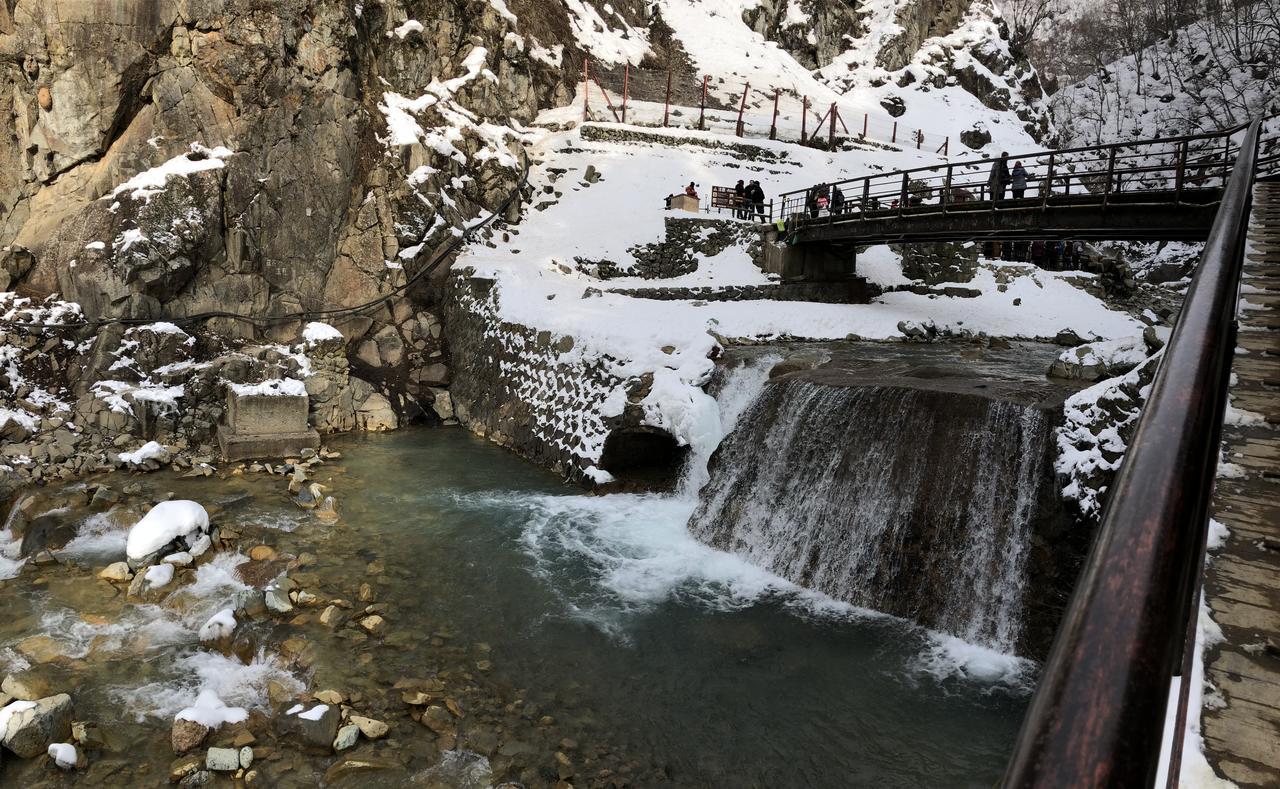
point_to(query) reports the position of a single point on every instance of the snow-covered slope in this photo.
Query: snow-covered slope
(1215, 73)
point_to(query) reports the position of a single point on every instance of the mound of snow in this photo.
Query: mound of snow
(317, 332)
(147, 451)
(64, 755)
(163, 524)
(210, 711)
(219, 626)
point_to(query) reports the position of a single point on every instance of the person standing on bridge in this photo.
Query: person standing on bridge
(999, 179)
(755, 200)
(1018, 180)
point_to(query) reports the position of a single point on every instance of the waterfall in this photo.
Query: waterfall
(916, 502)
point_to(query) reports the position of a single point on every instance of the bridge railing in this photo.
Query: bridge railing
(1098, 715)
(1194, 168)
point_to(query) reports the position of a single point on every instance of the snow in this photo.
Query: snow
(615, 45)
(64, 755)
(411, 26)
(317, 332)
(501, 7)
(164, 523)
(221, 625)
(314, 714)
(11, 709)
(210, 711)
(148, 451)
(276, 387)
(149, 183)
(159, 576)
(95, 245)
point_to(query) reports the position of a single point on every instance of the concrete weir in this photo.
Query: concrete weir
(259, 425)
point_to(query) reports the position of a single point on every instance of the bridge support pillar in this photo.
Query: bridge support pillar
(806, 262)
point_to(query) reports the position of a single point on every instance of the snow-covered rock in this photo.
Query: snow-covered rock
(28, 728)
(179, 523)
(64, 755)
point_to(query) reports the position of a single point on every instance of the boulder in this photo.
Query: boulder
(187, 735)
(28, 728)
(316, 726)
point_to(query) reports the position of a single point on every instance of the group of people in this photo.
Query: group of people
(748, 200)
(825, 197)
(1002, 178)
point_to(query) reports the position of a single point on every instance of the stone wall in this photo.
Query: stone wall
(686, 241)
(528, 390)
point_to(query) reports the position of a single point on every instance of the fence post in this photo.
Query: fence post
(1048, 182)
(864, 125)
(919, 138)
(946, 147)
(586, 87)
(946, 190)
(666, 103)
(831, 132)
(702, 110)
(626, 78)
(746, 87)
(902, 198)
(1111, 171)
(804, 119)
(866, 196)
(773, 126)
(894, 139)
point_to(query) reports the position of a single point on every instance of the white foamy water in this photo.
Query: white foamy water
(100, 537)
(10, 551)
(236, 684)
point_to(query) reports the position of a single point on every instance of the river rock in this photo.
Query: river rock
(35, 683)
(246, 757)
(370, 728)
(262, 553)
(187, 735)
(316, 726)
(116, 571)
(374, 625)
(346, 737)
(437, 719)
(222, 760)
(28, 728)
(277, 599)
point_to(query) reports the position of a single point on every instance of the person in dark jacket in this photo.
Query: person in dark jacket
(755, 200)
(999, 179)
(1018, 180)
(837, 200)
(740, 200)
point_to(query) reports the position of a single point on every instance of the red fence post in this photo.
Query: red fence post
(919, 138)
(773, 126)
(894, 139)
(804, 119)
(586, 87)
(864, 125)
(831, 134)
(702, 111)
(743, 106)
(946, 147)
(626, 76)
(666, 103)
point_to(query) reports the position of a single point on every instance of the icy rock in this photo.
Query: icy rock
(158, 576)
(64, 755)
(116, 571)
(177, 524)
(346, 737)
(28, 728)
(370, 728)
(220, 626)
(186, 735)
(222, 760)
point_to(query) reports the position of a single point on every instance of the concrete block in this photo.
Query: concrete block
(266, 413)
(240, 446)
(684, 203)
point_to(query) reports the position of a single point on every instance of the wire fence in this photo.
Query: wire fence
(671, 98)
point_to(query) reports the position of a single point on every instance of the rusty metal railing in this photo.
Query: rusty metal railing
(1098, 714)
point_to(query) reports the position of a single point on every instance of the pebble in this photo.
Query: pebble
(262, 553)
(223, 760)
(246, 757)
(347, 737)
(370, 728)
(374, 625)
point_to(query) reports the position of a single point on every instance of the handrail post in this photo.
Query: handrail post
(866, 197)
(1048, 183)
(946, 190)
(1181, 176)
(1111, 169)
(902, 198)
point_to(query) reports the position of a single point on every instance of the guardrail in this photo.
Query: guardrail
(1098, 714)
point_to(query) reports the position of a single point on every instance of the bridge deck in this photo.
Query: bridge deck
(1242, 584)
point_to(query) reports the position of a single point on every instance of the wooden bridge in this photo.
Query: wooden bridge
(1146, 190)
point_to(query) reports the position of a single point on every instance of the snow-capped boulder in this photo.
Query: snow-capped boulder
(168, 527)
(28, 728)
(316, 726)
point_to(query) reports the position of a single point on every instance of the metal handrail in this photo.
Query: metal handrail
(1097, 717)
